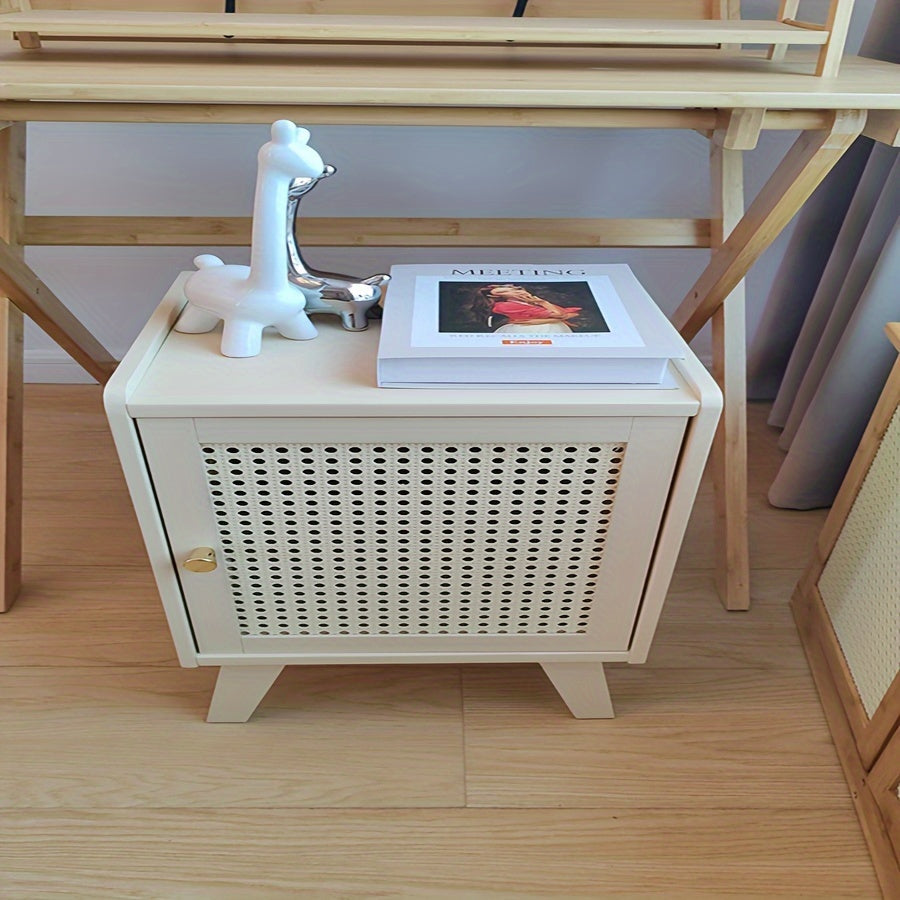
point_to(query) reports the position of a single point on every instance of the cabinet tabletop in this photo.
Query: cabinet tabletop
(334, 375)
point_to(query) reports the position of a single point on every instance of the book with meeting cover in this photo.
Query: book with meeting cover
(522, 326)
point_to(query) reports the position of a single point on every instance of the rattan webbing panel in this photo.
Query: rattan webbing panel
(413, 539)
(860, 584)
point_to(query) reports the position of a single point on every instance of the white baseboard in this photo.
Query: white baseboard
(54, 367)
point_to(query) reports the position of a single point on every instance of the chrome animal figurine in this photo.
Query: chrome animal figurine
(343, 295)
(248, 298)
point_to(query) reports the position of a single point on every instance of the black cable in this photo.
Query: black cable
(520, 8)
(229, 8)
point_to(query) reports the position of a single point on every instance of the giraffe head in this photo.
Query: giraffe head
(289, 152)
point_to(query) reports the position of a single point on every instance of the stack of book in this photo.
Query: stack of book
(522, 326)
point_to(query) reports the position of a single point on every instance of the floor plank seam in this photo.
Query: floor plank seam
(464, 748)
(617, 810)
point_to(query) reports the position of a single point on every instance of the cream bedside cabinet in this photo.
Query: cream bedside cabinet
(296, 514)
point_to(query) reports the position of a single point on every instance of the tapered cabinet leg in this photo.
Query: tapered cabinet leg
(582, 686)
(239, 690)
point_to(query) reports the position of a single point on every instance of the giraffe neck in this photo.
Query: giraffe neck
(268, 252)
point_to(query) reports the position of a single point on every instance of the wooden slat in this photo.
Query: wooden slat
(837, 24)
(43, 307)
(30, 40)
(12, 207)
(654, 9)
(370, 232)
(242, 113)
(810, 26)
(11, 340)
(797, 120)
(727, 9)
(892, 330)
(406, 29)
(797, 176)
(315, 114)
(729, 348)
(883, 125)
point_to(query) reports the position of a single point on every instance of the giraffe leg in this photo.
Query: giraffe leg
(241, 338)
(299, 328)
(194, 320)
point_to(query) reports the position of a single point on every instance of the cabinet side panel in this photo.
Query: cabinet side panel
(116, 395)
(140, 488)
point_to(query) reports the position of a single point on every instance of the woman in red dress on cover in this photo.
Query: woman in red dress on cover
(526, 312)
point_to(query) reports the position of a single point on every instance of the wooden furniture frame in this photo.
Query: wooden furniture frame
(460, 86)
(883, 783)
(31, 26)
(868, 746)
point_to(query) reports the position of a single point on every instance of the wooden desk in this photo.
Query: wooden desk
(728, 99)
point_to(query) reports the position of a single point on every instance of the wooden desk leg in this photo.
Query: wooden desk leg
(796, 177)
(24, 292)
(729, 349)
(12, 203)
(810, 159)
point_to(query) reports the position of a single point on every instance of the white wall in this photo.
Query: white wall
(83, 169)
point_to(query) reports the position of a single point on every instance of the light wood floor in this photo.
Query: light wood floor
(718, 777)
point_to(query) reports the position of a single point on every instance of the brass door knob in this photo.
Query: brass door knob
(201, 559)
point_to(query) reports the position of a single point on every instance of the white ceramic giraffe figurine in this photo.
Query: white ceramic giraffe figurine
(248, 298)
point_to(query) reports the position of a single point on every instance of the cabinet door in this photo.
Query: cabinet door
(413, 535)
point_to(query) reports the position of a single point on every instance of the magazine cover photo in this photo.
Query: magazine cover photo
(523, 307)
